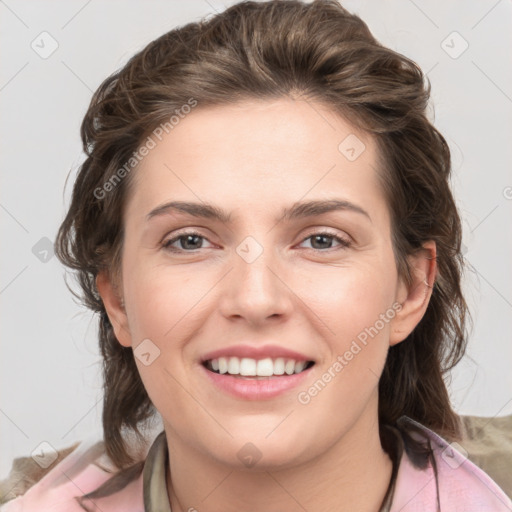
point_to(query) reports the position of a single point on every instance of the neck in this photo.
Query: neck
(353, 474)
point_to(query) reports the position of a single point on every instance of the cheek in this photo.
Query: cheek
(350, 299)
(358, 314)
(160, 298)
(356, 305)
(356, 344)
(163, 305)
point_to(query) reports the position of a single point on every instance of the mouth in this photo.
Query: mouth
(256, 369)
(257, 379)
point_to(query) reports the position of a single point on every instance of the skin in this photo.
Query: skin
(254, 159)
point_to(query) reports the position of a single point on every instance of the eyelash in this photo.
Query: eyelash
(344, 242)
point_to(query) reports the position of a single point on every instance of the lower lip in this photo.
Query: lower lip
(256, 389)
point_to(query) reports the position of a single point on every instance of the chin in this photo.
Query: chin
(258, 453)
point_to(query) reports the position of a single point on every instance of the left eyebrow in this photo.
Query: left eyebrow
(297, 210)
(205, 210)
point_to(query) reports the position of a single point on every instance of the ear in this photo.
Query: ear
(114, 305)
(414, 297)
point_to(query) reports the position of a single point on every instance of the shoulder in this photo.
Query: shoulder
(489, 443)
(26, 471)
(80, 469)
(450, 480)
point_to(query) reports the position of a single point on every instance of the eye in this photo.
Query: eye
(189, 242)
(323, 240)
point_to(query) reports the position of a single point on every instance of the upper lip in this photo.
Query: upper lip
(259, 352)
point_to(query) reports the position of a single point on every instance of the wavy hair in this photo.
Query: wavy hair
(267, 50)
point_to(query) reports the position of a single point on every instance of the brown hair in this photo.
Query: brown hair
(322, 53)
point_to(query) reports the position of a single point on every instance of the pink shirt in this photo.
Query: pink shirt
(450, 482)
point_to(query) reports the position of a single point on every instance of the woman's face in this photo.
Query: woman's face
(298, 266)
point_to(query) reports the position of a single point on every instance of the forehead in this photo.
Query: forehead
(258, 153)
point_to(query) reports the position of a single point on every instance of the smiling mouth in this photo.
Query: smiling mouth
(256, 369)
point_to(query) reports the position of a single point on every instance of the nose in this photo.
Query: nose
(256, 290)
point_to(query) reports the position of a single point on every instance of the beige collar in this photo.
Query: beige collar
(156, 497)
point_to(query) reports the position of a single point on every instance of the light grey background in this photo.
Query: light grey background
(49, 366)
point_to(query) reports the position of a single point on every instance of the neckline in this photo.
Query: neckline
(156, 467)
(154, 481)
(395, 445)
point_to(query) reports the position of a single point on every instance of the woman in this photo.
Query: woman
(265, 227)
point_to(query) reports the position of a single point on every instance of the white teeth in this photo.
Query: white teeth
(299, 366)
(223, 364)
(234, 366)
(279, 366)
(247, 366)
(289, 367)
(265, 367)
(256, 368)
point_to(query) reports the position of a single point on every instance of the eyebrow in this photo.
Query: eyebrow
(296, 211)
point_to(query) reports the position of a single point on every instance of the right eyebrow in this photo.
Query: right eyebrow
(297, 210)
(319, 207)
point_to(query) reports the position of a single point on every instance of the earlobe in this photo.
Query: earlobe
(414, 297)
(115, 308)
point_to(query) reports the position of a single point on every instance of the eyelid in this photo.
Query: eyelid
(327, 231)
(167, 240)
(344, 240)
(186, 230)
